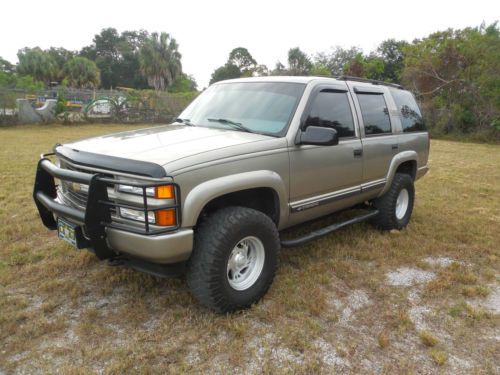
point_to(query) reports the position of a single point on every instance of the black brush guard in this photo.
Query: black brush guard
(97, 214)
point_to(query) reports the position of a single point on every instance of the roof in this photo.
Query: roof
(289, 79)
(307, 79)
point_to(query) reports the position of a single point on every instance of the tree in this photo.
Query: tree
(81, 72)
(370, 66)
(240, 63)
(279, 69)
(242, 59)
(260, 71)
(457, 76)
(355, 67)
(337, 59)
(184, 83)
(392, 53)
(227, 71)
(6, 66)
(60, 55)
(117, 57)
(36, 63)
(160, 60)
(319, 69)
(299, 63)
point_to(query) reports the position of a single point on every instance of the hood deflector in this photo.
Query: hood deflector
(112, 163)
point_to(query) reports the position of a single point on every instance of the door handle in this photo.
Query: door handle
(358, 152)
(395, 146)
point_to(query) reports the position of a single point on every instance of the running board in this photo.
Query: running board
(327, 230)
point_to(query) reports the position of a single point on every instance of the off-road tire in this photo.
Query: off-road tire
(215, 238)
(386, 204)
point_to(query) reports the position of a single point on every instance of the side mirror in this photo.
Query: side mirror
(319, 136)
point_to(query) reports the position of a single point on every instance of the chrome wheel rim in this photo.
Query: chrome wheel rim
(245, 263)
(402, 204)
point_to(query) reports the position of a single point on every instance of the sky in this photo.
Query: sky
(207, 31)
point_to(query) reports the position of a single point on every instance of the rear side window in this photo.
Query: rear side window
(331, 109)
(411, 118)
(375, 113)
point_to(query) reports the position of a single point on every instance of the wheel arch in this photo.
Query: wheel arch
(403, 162)
(261, 190)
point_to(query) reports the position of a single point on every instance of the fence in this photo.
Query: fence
(80, 105)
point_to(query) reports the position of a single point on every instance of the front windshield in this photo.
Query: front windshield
(258, 107)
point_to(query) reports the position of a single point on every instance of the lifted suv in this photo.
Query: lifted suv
(209, 194)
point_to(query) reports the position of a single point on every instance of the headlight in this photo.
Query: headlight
(161, 192)
(150, 191)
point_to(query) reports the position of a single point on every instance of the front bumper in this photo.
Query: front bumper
(168, 248)
(106, 237)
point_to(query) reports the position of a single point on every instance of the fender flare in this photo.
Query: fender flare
(205, 192)
(396, 161)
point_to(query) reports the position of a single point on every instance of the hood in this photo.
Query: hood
(165, 144)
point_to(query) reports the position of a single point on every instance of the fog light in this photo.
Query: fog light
(166, 218)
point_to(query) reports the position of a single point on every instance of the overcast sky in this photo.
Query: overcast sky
(207, 30)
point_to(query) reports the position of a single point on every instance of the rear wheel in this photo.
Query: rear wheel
(396, 205)
(234, 258)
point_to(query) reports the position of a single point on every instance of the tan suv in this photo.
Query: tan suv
(209, 194)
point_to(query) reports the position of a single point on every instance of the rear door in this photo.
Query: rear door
(380, 142)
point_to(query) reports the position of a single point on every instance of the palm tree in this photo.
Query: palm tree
(82, 72)
(160, 61)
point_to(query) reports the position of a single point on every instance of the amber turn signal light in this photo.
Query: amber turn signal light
(164, 192)
(165, 218)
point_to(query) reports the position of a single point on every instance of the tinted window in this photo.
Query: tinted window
(332, 109)
(411, 118)
(375, 113)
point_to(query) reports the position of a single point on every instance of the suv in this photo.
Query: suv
(209, 194)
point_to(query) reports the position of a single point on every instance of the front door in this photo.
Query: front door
(323, 176)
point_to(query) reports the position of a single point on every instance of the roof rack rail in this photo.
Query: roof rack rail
(372, 81)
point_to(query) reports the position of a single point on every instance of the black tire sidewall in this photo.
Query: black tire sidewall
(402, 181)
(386, 204)
(240, 297)
(215, 238)
(408, 185)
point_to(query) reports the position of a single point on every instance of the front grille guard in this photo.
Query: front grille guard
(96, 216)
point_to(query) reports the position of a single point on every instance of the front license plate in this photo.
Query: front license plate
(67, 232)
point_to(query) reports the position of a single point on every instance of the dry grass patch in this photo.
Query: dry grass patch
(427, 338)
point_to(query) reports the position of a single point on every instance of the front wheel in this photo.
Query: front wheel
(234, 258)
(396, 205)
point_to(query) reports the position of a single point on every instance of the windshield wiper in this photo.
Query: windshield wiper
(235, 125)
(184, 121)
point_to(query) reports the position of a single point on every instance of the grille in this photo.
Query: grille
(75, 194)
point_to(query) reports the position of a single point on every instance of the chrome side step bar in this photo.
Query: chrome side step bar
(327, 230)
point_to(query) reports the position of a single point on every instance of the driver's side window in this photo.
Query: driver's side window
(332, 109)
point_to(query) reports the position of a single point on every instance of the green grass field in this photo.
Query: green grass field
(424, 300)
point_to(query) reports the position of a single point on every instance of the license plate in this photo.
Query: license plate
(67, 232)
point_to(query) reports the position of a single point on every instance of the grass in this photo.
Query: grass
(427, 338)
(63, 311)
(438, 356)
